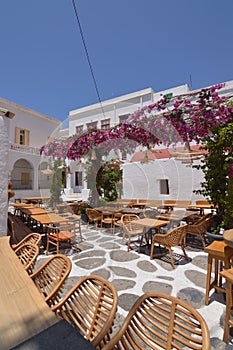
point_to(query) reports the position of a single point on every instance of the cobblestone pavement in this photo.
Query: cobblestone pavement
(103, 253)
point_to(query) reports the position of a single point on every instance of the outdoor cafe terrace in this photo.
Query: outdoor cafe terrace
(101, 251)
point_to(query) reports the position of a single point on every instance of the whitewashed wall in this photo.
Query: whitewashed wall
(142, 180)
(40, 125)
(4, 148)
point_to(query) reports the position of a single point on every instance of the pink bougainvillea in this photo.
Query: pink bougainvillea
(184, 118)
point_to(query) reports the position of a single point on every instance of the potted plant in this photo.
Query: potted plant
(82, 212)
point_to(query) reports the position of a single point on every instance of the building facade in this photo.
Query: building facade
(160, 177)
(28, 131)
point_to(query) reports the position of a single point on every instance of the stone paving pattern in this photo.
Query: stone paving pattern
(103, 253)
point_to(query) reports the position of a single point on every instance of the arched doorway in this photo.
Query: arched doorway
(22, 175)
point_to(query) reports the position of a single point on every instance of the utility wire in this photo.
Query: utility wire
(87, 55)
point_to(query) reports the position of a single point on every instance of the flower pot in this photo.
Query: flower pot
(210, 237)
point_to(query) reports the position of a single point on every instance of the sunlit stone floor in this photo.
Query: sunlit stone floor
(104, 253)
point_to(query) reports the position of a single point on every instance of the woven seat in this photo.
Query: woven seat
(131, 229)
(51, 276)
(27, 254)
(173, 238)
(159, 321)
(33, 238)
(90, 306)
(199, 228)
(94, 215)
(59, 234)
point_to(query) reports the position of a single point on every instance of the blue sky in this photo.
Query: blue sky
(132, 45)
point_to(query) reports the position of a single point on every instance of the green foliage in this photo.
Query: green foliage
(56, 184)
(216, 166)
(109, 180)
(104, 180)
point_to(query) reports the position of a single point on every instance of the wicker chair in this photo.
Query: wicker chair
(33, 238)
(173, 238)
(131, 229)
(159, 321)
(91, 306)
(199, 228)
(27, 254)
(59, 234)
(94, 215)
(51, 276)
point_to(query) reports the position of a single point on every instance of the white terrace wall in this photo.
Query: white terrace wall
(143, 180)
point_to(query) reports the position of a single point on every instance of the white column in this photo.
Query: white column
(4, 149)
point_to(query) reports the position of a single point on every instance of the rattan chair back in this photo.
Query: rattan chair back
(51, 276)
(159, 321)
(94, 215)
(200, 227)
(32, 238)
(131, 228)
(173, 238)
(90, 306)
(27, 254)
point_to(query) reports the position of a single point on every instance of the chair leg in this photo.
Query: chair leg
(152, 250)
(171, 256)
(228, 311)
(184, 252)
(203, 240)
(208, 279)
(47, 246)
(80, 230)
(128, 243)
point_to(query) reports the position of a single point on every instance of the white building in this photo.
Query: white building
(161, 178)
(28, 131)
(108, 114)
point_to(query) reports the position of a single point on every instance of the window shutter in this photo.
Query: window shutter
(26, 137)
(17, 135)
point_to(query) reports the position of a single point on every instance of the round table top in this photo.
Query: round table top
(228, 237)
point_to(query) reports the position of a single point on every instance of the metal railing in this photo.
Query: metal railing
(24, 149)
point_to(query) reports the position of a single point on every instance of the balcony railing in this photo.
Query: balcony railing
(24, 149)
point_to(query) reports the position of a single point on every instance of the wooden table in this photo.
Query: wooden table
(48, 219)
(33, 211)
(23, 311)
(149, 223)
(136, 211)
(36, 200)
(18, 207)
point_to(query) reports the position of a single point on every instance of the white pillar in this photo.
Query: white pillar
(4, 149)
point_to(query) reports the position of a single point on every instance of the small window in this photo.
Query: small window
(78, 178)
(92, 126)
(22, 136)
(164, 186)
(79, 129)
(123, 117)
(124, 155)
(105, 124)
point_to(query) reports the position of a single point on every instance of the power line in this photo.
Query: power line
(87, 54)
